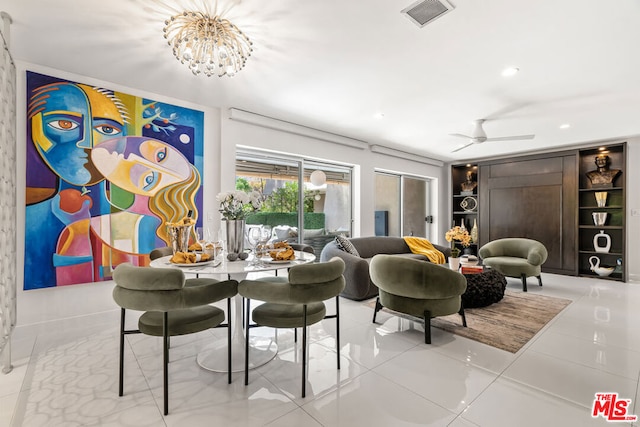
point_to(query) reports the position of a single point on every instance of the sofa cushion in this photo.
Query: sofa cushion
(412, 255)
(306, 234)
(367, 247)
(343, 243)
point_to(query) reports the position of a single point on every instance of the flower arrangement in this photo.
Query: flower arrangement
(459, 234)
(237, 204)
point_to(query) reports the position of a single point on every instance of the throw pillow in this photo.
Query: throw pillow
(313, 233)
(344, 244)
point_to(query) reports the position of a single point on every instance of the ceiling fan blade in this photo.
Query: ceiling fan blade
(511, 138)
(463, 146)
(461, 135)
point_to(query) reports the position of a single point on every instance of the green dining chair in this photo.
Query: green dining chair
(296, 301)
(172, 306)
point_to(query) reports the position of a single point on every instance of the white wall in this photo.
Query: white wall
(633, 204)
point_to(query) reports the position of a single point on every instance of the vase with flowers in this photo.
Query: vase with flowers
(457, 234)
(234, 207)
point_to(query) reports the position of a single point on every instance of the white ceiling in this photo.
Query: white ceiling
(333, 64)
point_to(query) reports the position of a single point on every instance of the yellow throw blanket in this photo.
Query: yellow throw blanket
(419, 245)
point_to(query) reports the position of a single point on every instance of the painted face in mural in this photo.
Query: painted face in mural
(140, 165)
(67, 120)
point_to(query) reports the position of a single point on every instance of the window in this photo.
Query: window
(402, 205)
(297, 209)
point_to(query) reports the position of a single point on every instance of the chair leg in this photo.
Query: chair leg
(377, 308)
(165, 359)
(304, 349)
(461, 313)
(229, 337)
(539, 280)
(121, 373)
(338, 329)
(246, 342)
(427, 327)
(524, 282)
(295, 334)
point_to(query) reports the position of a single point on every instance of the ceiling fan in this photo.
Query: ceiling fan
(478, 136)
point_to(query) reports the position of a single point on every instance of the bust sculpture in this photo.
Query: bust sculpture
(469, 185)
(602, 177)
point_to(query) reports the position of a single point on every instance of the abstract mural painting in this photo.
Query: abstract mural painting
(105, 171)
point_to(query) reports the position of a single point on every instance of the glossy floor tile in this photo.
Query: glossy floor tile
(65, 372)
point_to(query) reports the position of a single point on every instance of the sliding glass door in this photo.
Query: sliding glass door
(401, 205)
(305, 201)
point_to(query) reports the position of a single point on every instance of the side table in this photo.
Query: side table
(484, 288)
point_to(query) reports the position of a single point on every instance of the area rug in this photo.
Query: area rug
(508, 324)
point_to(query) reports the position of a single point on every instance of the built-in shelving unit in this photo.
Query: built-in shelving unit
(465, 203)
(613, 209)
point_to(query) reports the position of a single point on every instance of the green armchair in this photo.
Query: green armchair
(418, 289)
(515, 257)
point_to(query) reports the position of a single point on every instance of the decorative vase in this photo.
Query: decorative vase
(474, 231)
(601, 198)
(179, 237)
(596, 242)
(454, 263)
(599, 218)
(462, 226)
(235, 235)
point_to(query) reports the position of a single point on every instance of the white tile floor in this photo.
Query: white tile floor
(66, 372)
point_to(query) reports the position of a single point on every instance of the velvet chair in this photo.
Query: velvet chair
(295, 301)
(172, 306)
(302, 248)
(515, 257)
(160, 252)
(417, 288)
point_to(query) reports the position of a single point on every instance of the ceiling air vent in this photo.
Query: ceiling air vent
(425, 11)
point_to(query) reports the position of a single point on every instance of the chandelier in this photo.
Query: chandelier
(208, 45)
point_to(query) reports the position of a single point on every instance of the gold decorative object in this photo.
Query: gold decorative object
(601, 198)
(468, 185)
(206, 44)
(603, 176)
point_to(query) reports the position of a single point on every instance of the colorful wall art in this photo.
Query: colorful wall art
(105, 171)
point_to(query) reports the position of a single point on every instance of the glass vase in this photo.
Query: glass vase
(235, 235)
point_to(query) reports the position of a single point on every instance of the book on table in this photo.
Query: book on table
(471, 269)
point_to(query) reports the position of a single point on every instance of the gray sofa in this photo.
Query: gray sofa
(356, 273)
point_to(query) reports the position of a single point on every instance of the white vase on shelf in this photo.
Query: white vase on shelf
(462, 227)
(596, 242)
(474, 231)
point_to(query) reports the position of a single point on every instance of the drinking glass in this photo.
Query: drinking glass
(202, 236)
(253, 238)
(261, 248)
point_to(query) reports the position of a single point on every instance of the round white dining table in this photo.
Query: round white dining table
(213, 357)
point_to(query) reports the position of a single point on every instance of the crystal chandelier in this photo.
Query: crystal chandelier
(208, 45)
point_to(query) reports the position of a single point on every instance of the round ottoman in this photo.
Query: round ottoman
(484, 288)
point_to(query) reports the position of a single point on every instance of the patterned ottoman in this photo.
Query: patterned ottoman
(483, 288)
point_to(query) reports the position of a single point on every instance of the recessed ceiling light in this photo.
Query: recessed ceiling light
(565, 126)
(511, 71)
(378, 116)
